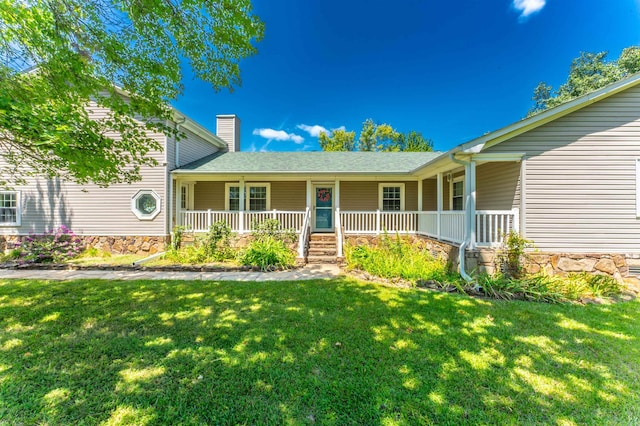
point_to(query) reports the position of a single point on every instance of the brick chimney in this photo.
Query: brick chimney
(228, 129)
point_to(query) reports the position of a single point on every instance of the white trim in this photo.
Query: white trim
(18, 208)
(637, 187)
(146, 216)
(523, 197)
(498, 156)
(315, 187)
(381, 186)
(464, 191)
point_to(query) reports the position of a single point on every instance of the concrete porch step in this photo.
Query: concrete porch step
(323, 237)
(322, 244)
(321, 259)
(322, 251)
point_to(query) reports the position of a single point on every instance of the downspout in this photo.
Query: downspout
(467, 235)
(177, 142)
(172, 191)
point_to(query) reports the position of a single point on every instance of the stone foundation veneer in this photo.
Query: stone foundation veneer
(445, 251)
(614, 265)
(484, 259)
(111, 244)
(127, 245)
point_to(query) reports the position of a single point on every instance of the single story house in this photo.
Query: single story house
(567, 179)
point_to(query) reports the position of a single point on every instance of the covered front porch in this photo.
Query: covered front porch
(440, 205)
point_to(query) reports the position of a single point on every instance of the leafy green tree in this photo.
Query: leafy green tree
(61, 59)
(375, 137)
(338, 140)
(588, 72)
(413, 142)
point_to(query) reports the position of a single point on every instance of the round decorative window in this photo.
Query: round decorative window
(145, 204)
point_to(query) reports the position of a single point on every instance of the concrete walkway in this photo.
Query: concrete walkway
(309, 272)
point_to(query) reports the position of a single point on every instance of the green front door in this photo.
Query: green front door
(323, 208)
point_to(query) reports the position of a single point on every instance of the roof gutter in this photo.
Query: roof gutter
(467, 234)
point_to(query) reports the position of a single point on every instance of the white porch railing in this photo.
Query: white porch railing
(448, 225)
(240, 222)
(376, 222)
(305, 231)
(452, 226)
(491, 225)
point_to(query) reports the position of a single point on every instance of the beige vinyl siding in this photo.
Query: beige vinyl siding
(192, 147)
(209, 195)
(498, 186)
(364, 196)
(411, 196)
(357, 196)
(580, 178)
(430, 195)
(89, 209)
(291, 196)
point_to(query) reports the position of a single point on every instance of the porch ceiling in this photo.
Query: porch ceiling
(379, 163)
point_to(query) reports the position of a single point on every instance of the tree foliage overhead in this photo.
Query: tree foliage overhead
(375, 137)
(57, 56)
(588, 72)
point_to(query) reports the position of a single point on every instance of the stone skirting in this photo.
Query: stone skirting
(561, 264)
(111, 244)
(127, 245)
(439, 249)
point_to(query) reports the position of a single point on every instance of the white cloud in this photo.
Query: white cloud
(527, 7)
(278, 135)
(339, 128)
(314, 130)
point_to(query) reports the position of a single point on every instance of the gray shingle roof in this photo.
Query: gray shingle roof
(310, 162)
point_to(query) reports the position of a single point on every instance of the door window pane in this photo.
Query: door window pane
(324, 197)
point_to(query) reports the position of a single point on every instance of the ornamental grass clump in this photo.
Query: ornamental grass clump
(398, 258)
(545, 288)
(54, 246)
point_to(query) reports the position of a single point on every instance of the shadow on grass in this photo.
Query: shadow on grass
(328, 352)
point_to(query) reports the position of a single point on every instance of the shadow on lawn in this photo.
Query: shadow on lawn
(308, 352)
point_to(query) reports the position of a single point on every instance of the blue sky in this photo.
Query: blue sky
(452, 70)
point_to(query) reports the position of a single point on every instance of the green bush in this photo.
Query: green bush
(214, 246)
(272, 228)
(511, 254)
(217, 242)
(398, 257)
(267, 253)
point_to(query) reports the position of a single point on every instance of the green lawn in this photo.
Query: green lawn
(323, 352)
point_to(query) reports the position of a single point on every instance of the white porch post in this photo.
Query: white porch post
(241, 207)
(336, 196)
(439, 202)
(309, 194)
(419, 195)
(170, 206)
(470, 184)
(178, 202)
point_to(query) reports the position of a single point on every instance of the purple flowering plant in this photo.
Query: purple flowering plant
(57, 245)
